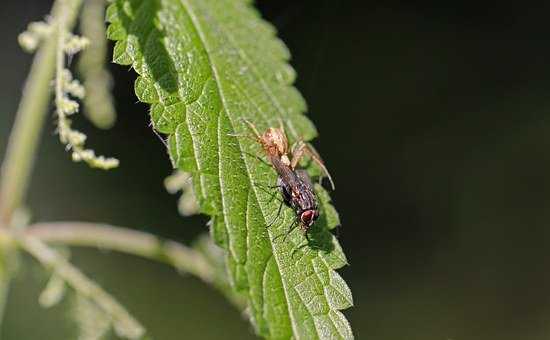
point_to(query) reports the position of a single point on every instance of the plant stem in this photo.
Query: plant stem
(125, 241)
(32, 110)
(98, 102)
(136, 243)
(123, 322)
(6, 270)
(21, 151)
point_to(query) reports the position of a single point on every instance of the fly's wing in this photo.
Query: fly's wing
(285, 191)
(307, 198)
(302, 174)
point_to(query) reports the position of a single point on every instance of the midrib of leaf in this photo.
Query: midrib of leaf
(292, 291)
(204, 41)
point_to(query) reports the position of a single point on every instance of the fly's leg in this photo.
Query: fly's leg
(285, 235)
(300, 150)
(303, 245)
(268, 189)
(277, 216)
(281, 186)
(292, 227)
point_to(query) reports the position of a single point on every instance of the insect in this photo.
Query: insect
(295, 184)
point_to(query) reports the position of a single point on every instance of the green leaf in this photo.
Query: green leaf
(204, 65)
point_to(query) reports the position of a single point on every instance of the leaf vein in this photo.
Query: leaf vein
(198, 26)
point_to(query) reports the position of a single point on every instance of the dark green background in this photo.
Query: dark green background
(434, 122)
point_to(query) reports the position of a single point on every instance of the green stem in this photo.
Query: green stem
(32, 111)
(125, 241)
(123, 322)
(22, 145)
(98, 102)
(136, 243)
(6, 269)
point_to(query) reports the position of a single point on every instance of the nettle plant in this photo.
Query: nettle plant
(205, 67)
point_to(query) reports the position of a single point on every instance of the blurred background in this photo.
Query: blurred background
(434, 122)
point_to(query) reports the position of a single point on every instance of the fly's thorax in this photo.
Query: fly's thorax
(303, 198)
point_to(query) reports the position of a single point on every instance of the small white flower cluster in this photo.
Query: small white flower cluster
(75, 140)
(72, 86)
(75, 43)
(36, 32)
(66, 88)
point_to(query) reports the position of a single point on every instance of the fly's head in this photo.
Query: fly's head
(305, 204)
(308, 217)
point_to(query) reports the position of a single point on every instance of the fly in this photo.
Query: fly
(295, 184)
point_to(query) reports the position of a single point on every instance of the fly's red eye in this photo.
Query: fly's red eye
(308, 217)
